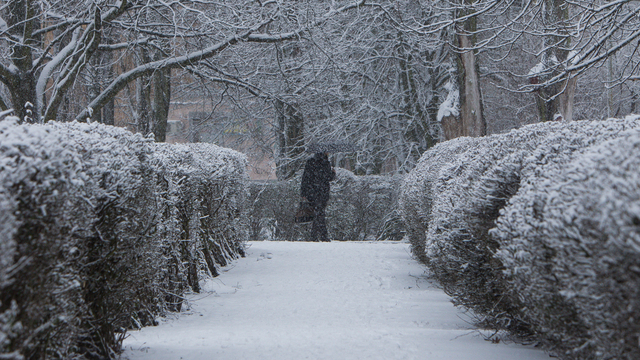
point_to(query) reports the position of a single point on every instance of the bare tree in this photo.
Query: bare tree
(372, 74)
(48, 44)
(367, 79)
(575, 37)
(569, 38)
(364, 77)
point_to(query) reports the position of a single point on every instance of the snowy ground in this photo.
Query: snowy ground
(338, 300)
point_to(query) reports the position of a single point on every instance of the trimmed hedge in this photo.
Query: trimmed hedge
(571, 248)
(206, 192)
(360, 208)
(103, 230)
(417, 193)
(510, 276)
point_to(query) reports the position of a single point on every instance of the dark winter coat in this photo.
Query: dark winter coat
(315, 180)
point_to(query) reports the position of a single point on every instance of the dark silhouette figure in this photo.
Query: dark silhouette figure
(315, 188)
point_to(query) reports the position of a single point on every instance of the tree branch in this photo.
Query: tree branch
(266, 38)
(120, 46)
(195, 57)
(84, 48)
(6, 75)
(123, 79)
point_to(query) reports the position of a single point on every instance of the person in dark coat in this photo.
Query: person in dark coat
(315, 187)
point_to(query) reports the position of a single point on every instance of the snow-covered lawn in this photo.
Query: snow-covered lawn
(338, 300)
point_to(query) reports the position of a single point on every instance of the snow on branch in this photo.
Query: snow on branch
(451, 105)
(251, 34)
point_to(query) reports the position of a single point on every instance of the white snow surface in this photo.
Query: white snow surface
(338, 300)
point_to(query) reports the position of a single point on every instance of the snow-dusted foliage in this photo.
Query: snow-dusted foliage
(122, 253)
(272, 206)
(360, 208)
(90, 216)
(417, 189)
(7, 244)
(467, 194)
(45, 208)
(453, 202)
(204, 223)
(364, 207)
(570, 243)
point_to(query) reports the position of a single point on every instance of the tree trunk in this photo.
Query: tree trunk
(143, 106)
(451, 127)
(103, 61)
(143, 99)
(24, 99)
(95, 87)
(546, 103)
(108, 113)
(21, 21)
(153, 96)
(565, 100)
(549, 99)
(161, 102)
(472, 122)
(3, 103)
(290, 140)
(196, 121)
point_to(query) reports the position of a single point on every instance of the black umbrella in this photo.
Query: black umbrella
(331, 147)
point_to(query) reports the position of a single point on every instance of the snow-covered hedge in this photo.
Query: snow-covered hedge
(102, 230)
(570, 243)
(417, 190)
(364, 207)
(42, 179)
(205, 190)
(466, 201)
(360, 208)
(462, 189)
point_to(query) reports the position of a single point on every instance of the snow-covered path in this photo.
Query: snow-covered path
(338, 300)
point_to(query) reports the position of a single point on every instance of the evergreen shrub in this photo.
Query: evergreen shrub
(516, 229)
(360, 208)
(91, 234)
(570, 246)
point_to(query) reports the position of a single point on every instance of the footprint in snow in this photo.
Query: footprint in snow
(265, 256)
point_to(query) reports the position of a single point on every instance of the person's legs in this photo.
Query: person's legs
(319, 226)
